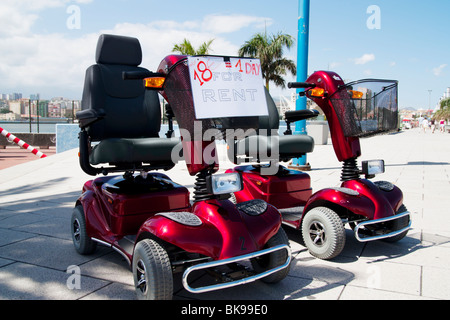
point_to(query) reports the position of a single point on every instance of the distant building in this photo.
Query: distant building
(36, 96)
(15, 107)
(13, 96)
(10, 117)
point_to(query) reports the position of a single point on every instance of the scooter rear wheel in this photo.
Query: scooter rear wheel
(152, 271)
(323, 233)
(82, 242)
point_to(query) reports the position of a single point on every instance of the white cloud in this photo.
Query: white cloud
(17, 17)
(366, 58)
(219, 24)
(438, 71)
(333, 65)
(55, 64)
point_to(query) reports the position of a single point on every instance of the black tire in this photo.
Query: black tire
(274, 259)
(152, 271)
(82, 242)
(399, 224)
(323, 233)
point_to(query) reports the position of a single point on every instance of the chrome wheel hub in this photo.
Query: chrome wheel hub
(317, 233)
(141, 277)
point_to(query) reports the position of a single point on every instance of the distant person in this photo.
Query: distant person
(420, 123)
(425, 125)
(442, 126)
(433, 125)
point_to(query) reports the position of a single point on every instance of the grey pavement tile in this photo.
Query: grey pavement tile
(291, 288)
(436, 283)
(369, 294)
(47, 252)
(14, 219)
(5, 262)
(11, 236)
(111, 267)
(420, 254)
(20, 281)
(54, 227)
(113, 291)
(49, 205)
(332, 273)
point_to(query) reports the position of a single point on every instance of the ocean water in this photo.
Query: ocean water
(51, 128)
(25, 127)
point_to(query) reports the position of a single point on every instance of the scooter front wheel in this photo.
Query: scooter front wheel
(323, 233)
(274, 259)
(152, 272)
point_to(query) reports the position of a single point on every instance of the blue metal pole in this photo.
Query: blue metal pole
(302, 70)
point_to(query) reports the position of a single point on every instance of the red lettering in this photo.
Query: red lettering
(206, 74)
(240, 65)
(252, 68)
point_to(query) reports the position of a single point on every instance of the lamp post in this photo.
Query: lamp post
(429, 100)
(302, 73)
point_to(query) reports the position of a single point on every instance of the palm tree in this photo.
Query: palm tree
(269, 49)
(186, 48)
(444, 111)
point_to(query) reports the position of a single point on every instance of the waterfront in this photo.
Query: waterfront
(24, 127)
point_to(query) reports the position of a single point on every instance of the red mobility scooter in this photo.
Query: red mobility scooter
(374, 210)
(144, 215)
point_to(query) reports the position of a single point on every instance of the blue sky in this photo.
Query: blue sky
(39, 53)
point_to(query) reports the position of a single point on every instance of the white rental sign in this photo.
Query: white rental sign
(227, 87)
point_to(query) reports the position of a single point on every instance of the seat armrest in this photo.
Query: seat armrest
(89, 116)
(298, 115)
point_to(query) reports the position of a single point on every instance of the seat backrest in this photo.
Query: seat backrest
(129, 110)
(271, 122)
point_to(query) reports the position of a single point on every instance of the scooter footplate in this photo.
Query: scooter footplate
(361, 238)
(230, 284)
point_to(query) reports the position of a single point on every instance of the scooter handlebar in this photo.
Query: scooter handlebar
(138, 75)
(300, 85)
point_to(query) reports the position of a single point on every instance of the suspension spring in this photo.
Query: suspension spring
(200, 190)
(350, 170)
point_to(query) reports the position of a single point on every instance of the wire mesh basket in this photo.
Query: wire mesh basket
(367, 108)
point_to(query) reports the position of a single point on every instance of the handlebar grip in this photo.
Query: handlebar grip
(136, 75)
(300, 85)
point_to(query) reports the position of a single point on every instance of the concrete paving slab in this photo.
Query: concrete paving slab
(436, 282)
(52, 227)
(12, 236)
(110, 267)
(47, 252)
(113, 291)
(21, 281)
(366, 294)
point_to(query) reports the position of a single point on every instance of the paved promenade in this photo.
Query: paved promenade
(36, 250)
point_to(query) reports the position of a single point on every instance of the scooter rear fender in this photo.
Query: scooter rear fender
(221, 231)
(96, 224)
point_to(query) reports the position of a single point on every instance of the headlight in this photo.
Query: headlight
(224, 183)
(373, 167)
